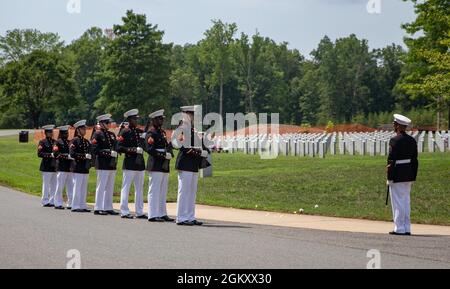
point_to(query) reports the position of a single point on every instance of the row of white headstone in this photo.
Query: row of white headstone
(321, 144)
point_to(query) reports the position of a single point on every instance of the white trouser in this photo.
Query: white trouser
(64, 180)
(48, 188)
(129, 177)
(187, 192)
(104, 190)
(157, 194)
(401, 207)
(80, 186)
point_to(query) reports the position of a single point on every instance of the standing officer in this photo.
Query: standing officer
(131, 143)
(48, 166)
(191, 158)
(64, 177)
(401, 173)
(80, 150)
(160, 153)
(104, 147)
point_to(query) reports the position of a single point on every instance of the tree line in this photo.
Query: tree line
(43, 80)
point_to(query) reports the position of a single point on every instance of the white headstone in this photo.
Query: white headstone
(208, 172)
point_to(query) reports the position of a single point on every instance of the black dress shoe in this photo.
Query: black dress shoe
(69, 208)
(185, 223)
(78, 211)
(168, 219)
(86, 211)
(60, 208)
(197, 223)
(397, 234)
(142, 217)
(156, 220)
(100, 213)
(408, 234)
(129, 216)
(112, 213)
(48, 206)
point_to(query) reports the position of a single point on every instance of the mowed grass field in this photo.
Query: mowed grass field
(342, 186)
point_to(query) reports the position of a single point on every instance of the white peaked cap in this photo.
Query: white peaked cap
(80, 123)
(157, 114)
(104, 117)
(48, 127)
(64, 128)
(191, 108)
(402, 120)
(133, 112)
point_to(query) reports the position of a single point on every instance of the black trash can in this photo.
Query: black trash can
(23, 136)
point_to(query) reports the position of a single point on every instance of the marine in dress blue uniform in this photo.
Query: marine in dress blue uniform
(80, 151)
(104, 148)
(48, 166)
(191, 158)
(158, 166)
(402, 170)
(64, 177)
(131, 143)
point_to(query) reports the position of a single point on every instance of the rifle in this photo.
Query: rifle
(387, 195)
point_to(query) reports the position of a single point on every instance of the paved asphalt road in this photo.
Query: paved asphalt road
(36, 237)
(10, 132)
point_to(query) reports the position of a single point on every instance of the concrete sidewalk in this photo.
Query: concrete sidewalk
(300, 221)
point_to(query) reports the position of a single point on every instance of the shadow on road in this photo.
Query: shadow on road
(226, 226)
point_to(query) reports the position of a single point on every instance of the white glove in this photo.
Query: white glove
(70, 158)
(143, 135)
(113, 154)
(52, 155)
(88, 156)
(204, 154)
(168, 156)
(139, 151)
(388, 183)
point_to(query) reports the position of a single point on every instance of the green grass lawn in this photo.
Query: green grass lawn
(342, 186)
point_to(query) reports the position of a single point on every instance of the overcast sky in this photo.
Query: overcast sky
(302, 23)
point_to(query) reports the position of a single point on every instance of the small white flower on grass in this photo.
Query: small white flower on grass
(316, 206)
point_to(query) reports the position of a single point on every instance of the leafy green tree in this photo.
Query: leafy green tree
(184, 87)
(14, 46)
(18, 43)
(190, 60)
(346, 82)
(427, 70)
(390, 65)
(86, 55)
(306, 90)
(216, 49)
(248, 58)
(137, 68)
(328, 84)
(40, 82)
